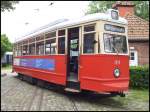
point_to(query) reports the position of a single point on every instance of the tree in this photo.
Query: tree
(141, 7)
(6, 45)
(99, 6)
(7, 5)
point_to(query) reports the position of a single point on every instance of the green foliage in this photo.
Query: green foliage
(6, 66)
(99, 6)
(8, 5)
(139, 77)
(5, 44)
(141, 7)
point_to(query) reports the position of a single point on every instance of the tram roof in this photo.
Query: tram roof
(62, 23)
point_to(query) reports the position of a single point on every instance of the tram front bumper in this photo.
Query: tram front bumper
(105, 85)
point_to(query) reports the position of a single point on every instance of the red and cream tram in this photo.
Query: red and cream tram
(89, 53)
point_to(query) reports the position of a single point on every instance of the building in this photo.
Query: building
(7, 58)
(138, 33)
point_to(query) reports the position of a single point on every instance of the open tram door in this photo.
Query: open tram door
(73, 58)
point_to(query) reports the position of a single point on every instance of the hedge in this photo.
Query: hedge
(139, 77)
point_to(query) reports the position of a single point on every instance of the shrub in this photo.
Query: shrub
(139, 77)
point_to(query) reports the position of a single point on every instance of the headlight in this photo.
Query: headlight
(117, 72)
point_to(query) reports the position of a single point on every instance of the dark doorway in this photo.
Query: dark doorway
(73, 53)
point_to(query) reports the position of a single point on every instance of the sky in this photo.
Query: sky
(30, 15)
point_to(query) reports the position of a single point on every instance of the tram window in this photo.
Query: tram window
(89, 43)
(31, 40)
(47, 48)
(40, 48)
(15, 51)
(25, 50)
(19, 51)
(39, 38)
(61, 32)
(32, 49)
(25, 42)
(115, 43)
(50, 46)
(51, 34)
(89, 28)
(61, 45)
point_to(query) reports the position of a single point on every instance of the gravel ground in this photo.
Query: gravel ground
(20, 95)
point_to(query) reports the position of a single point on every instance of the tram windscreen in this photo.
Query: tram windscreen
(115, 43)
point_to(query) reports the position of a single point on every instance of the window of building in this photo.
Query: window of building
(40, 48)
(89, 39)
(50, 46)
(132, 56)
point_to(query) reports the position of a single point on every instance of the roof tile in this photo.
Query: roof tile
(138, 28)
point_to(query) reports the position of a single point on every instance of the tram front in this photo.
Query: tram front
(107, 70)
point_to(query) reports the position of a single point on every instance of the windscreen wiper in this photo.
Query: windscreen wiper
(115, 49)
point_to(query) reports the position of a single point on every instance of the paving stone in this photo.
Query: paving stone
(18, 95)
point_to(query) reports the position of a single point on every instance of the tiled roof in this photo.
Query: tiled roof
(138, 28)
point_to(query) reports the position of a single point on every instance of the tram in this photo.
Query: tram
(90, 53)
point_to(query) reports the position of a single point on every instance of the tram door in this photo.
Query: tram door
(73, 53)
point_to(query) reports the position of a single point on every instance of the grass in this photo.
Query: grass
(135, 100)
(141, 94)
(7, 67)
(136, 95)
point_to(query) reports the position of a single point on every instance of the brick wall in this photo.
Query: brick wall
(142, 49)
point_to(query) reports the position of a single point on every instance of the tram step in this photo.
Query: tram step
(73, 85)
(72, 90)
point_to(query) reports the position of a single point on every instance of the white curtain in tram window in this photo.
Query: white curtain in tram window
(16, 61)
(41, 49)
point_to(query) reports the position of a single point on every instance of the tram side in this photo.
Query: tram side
(39, 58)
(56, 73)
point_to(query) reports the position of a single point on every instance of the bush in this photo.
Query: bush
(139, 77)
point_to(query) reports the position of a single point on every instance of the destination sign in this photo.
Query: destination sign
(113, 28)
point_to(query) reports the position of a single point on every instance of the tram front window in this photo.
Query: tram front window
(115, 43)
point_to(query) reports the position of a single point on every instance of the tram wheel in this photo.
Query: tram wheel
(34, 81)
(20, 76)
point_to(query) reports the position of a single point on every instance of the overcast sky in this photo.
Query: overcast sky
(30, 15)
